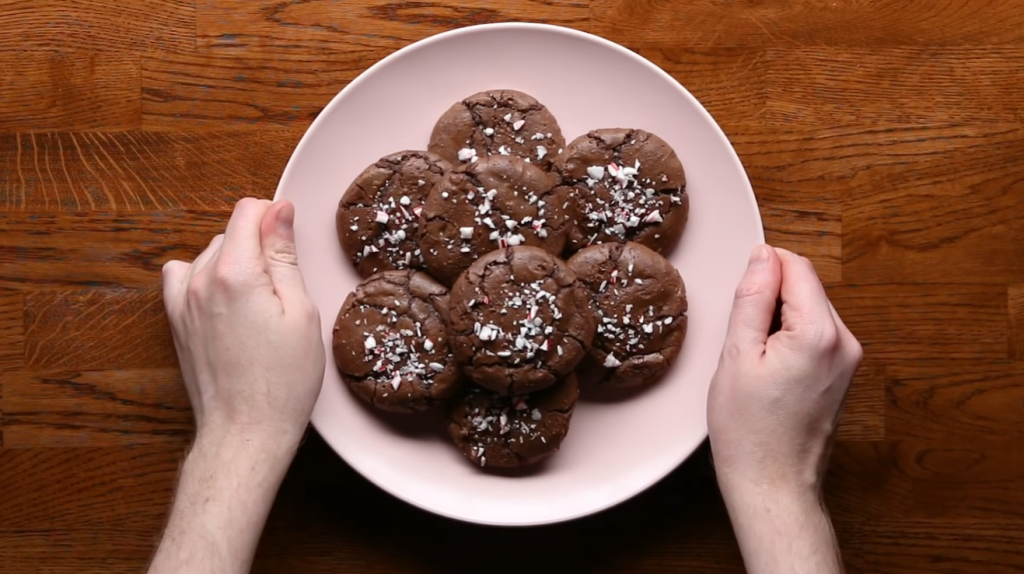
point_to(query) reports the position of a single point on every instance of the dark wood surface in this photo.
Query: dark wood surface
(884, 140)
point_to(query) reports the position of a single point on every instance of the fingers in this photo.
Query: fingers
(277, 233)
(242, 237)
(175, 274)
(803, 298)
(754, 305)
(208, 254)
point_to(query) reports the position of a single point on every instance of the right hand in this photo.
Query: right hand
(775, 400)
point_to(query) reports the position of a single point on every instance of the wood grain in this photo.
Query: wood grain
(97, 25)
(827, 86)
(95, 408)
(76, 488)
(141, 171)
(883, 23)
(47, 91)
(864, 414)
(316, 26)
(925, 321)
(945, 547)
(111, 550)
(97, 329)
(953, 479)
(12, 330)
(209, 91)
(946, 399)
(729, 82)
(1015, 305)
(96, 249)
(967, 178)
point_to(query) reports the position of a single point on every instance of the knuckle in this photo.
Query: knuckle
(748, 289)
(195, 291)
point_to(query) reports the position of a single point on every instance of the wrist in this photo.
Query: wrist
(255, 449)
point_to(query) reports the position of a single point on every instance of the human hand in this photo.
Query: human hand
(247, 334)
(775, 400)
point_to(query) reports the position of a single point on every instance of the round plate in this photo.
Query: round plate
(615, 449)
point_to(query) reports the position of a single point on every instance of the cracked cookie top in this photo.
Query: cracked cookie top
(500, 431)
(498, 122)
(640, 302)
(497, 202)
(629, 185)
(391, 342)
(520, 320)
(378, 216)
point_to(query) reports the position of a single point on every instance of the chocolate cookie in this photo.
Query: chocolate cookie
(391, 342)
(520, 320)
(496, 202)
(503, 122)
(630, 186)
(495, 430)
(640, 301)
(378, 217)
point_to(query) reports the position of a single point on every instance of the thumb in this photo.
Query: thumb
(277, 236)
(754, 304)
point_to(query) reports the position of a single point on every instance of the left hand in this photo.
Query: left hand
(247, 334)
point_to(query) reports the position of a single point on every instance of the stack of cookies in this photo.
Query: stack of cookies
(504, 269)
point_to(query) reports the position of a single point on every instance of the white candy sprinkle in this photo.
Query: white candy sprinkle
(488, 132)
(535, 415)
(354, 228)
(611, 362)
(648, 328)
(420, 182)
(518, 124)
(405, 199)
(489, 222)
(508, 117)
(667, 321)
(370, 343)
(653, 217)
(511, 224)
(466, 232)
(559, 349)
(541, 152)
(382, 217)
(444, 195)
(428, 345)
(485, 333)
(466, 154)
(638, 281)
(514, 240)
(400, 234)
(436, 366)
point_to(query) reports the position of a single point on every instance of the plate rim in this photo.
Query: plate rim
(555, 29)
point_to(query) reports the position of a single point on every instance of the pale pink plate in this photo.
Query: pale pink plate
(614, 449)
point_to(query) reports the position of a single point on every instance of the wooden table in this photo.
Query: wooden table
(883, 139)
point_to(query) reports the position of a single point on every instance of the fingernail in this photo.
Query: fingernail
(759, 256)
(286, 218)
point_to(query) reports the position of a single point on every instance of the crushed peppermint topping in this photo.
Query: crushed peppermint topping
(467, 154)
(617, 199)
(611, 362)
(392, 349)
(488, 132)
(541, 152)
(501, 422)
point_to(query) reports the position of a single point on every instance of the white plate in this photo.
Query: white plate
(614, 449)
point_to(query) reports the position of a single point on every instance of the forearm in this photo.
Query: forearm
(782, 532)
(227, 486)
